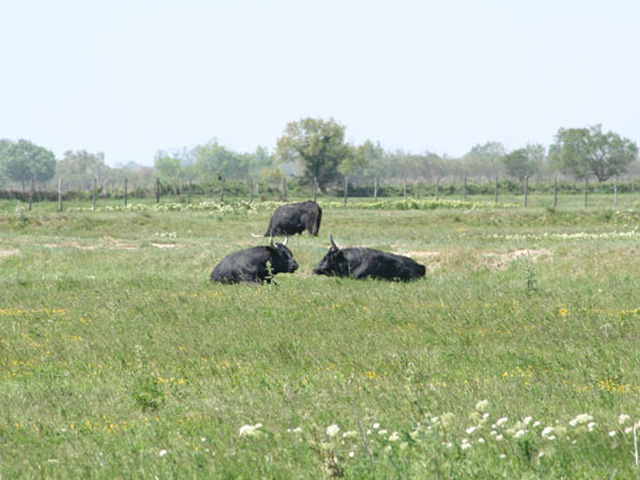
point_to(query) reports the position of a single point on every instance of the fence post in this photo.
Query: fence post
(526, 185)
(189, 187)
(315, 188)
(60, 194)
(555, 190)
(157, 190)
(465, 188)
(375, 189)
(284, 189)
(251, 191)
(31, 192)
(495, 193)
(586, 189)
(95, 189)
(615, 191)
(437, 188)
(222, 191)
(346, 189)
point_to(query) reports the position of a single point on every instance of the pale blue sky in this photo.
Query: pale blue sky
(130, 77)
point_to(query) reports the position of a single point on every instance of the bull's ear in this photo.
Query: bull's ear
(334, 246)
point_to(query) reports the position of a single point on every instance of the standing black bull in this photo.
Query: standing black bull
(250, 265)
(295, 218)
(366, 262)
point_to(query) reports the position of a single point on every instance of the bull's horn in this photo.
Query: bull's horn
(271, 239)
(286, 239)
(333, 243)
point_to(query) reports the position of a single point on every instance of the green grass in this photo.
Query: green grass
(119, 359)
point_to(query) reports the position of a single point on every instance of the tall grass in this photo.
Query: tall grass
(515, 357)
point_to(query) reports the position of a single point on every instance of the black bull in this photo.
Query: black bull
(295, 218)
(361, 263)
(250, 265)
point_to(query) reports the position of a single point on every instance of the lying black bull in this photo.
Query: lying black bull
(295, 218)
(250, 265)
(367, 263)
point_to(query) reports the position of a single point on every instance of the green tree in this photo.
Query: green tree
(213, 160)
(364, 160)
(524, 162)
(484, 159)
(318, 144)
(585, 151)
(23, 161)
(79, 169)
(258, 161)
(172, 167)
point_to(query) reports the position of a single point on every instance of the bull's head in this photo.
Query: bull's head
(280, 256)
(333, 263)
(272, 245)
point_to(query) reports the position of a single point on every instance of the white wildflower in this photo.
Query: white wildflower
(628, 430)
(470, 430)
(502, 455)
(518, 434)
(352, 454)
(591, 426)
(446, 419)
(404, 445)
(536, 424)
(581, 419)
(547, 431)
(332, 430)
(250, 430)
(612, 433)
(382, 432)
(527, 421)
(376, 426)
(465, 444)
(481, 440)
(394, 437)
(499, 437)
(622, 419)
(502, 420)
(482, 405)
(162, 452)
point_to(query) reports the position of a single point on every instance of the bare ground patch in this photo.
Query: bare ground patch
(8, 252)
(164, 245)
(432, 257)
(501, 261)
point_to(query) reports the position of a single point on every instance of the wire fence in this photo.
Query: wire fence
(526, 193)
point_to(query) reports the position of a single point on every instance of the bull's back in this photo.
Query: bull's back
(366, 262)
(241, 266)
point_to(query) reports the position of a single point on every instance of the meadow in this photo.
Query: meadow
(516, 357)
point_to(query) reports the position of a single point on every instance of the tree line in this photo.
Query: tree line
(314, 151)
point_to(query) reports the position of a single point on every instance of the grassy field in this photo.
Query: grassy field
(516, 356)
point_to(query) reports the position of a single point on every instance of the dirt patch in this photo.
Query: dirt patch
(501, 261)
(6, 253)
(422, 254)
(425, 255)
(164, 245)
